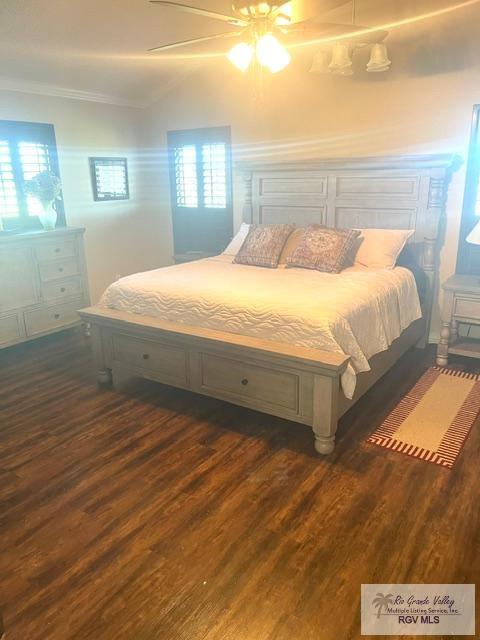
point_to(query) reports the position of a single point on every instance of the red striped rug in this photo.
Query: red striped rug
(433, 420)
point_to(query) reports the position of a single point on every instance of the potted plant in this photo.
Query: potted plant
(46, 187)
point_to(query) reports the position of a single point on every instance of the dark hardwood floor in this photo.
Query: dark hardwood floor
(158, 514)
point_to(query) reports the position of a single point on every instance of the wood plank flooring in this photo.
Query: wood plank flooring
(158, 514)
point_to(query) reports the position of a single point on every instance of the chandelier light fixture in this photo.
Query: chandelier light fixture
(341, 53)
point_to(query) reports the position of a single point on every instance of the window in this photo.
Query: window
(201, 167)
(109, 178)
(201, 188)
(26, 149)
(468, 260)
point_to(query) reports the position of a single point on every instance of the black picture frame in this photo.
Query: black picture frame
(107, 196)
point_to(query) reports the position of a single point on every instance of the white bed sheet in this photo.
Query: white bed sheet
(358, 312)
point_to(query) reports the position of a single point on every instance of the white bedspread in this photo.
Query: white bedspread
(358, 312)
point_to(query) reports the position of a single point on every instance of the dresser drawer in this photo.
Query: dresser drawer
(46, 251)
(162, 361)
(52, 317)
(58, 289)
(467, 308)
(12, 328)
(252, 384)
(58, 269)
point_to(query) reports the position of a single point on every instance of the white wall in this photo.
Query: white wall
(121, 237)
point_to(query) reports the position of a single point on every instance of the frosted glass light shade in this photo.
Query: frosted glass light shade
(271, 53)
(340, 57)
(379, 60)
(474, 235)
(241, 55)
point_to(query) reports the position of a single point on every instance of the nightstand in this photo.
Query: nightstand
(461, 305)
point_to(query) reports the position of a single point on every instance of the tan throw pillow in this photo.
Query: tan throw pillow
(263, 245)
(323, 249)
(380, 248)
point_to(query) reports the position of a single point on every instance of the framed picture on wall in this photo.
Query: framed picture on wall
(109, 179)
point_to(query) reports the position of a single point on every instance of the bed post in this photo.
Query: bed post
(326, 390)
(104, 374)
(247, 201)
(435, 213)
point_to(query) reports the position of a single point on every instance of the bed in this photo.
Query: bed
(294, 343)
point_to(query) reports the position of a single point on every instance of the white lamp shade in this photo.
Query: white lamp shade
(271, 53)
(474, 235)
(340, 57)
(379, 60)
(241, 55)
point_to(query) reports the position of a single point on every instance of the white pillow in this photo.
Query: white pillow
(380, 248)
(238, 239)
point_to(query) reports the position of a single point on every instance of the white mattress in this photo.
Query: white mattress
(358, 312)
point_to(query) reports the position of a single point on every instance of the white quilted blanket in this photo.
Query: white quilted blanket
(358, 312)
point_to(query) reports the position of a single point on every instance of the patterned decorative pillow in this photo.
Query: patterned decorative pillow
(324, 249)
(263, 245)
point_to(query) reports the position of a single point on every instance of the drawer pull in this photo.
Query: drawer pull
(60, 269)
(62, 289)
(244, 382)
(57, 250)
(56, 316)
(145, 356)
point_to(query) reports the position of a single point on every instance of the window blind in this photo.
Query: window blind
(186, 180)
(33, 159)
(8, 190)
(201, 172)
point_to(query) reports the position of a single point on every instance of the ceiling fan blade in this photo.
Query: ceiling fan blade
(202, 12)
(314, 29)
(218, 36)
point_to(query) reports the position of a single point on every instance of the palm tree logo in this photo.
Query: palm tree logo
(382, 602)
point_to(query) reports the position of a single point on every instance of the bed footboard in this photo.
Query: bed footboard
(296, 383)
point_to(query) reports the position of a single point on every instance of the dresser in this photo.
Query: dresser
(43, 282)
(461, 306)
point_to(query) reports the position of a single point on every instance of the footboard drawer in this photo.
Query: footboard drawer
(163, 362)
(249, 384)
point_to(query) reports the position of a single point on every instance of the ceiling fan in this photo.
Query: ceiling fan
(264, 27)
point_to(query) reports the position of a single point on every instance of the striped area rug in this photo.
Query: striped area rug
(433, 420)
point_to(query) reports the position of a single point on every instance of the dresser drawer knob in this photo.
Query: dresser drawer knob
(245, 382)
(62, 289)
(56, 316)
(57, 250)
(145, 356)
(60, 269)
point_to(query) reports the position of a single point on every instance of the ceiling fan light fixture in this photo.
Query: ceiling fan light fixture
(379, 60)
(271, 53)
(241, 55)
(341, 59)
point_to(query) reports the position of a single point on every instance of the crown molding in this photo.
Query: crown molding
(45, 89)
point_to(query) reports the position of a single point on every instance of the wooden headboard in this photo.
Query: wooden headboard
(397, 192)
